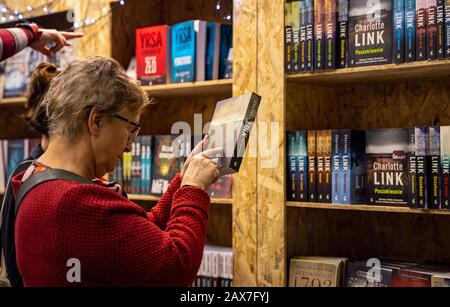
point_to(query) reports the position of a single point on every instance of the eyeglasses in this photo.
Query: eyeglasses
(136, 126)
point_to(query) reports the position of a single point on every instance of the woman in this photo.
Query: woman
(36, 117)
(93, 111)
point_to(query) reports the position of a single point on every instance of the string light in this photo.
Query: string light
(223, 9)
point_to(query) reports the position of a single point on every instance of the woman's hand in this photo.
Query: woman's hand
(201, 172)
(59, 38)
(198, 149)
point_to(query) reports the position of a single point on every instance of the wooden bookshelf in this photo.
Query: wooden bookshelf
(191, 89)
(13, 101)
(150, 198)
(375, 74)
(367, 208)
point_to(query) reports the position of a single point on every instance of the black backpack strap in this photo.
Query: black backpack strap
(45, 176)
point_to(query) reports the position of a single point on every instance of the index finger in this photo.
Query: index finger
(71, 35)
(200, 146)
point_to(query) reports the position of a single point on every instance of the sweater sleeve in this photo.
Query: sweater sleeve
(117, 244)
(161, 212)
(14, 40)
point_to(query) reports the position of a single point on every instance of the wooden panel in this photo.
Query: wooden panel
(244, 183)
(370, 208)
(191, 89)
(12, 126)
(181, 10)
(219, 225)
(271, 179)
(382, 73)
(362, 235)
(401, 104)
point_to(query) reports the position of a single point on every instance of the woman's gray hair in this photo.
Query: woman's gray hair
(87, 83)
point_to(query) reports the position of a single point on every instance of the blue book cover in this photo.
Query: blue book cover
(212, 51)
(302, 165)
(336, 157)
(183, 52)
(16, 149)
(421, 140)
(226, 44)
(147, 163)
(353, 167)
(447, 27)
(292, 193)
(410, 30)
(399, 31)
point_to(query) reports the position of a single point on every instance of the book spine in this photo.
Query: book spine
(330, 11)
(346, 171)
(319, 46)
(312, 166)
(431, 30)
(433, 158)
(288, 37)
(445, 168)
(358, 167)
(398, 47)
(421, 152)
(447, 28)
(303, 50)
(302, 160)
(412, 170)
(296, 37)
(309, 50)
(320, 166)
(292, 167)
(343, 33)
(327, 179)
(336, 168)
(440, 24)
(410, 27)
(421, 22)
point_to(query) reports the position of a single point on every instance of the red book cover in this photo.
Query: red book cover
(152, 54)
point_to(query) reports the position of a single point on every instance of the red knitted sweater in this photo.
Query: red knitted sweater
(117, 243)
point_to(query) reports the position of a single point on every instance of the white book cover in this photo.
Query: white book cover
(200, 52)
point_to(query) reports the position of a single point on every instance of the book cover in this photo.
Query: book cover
(230, 129)
(309, 50)
(309, 271)
(330, 22)
(292, 179)
(410, 28)
(15, 155)
(146, 163)
(360, 275)
(412, 169)
(132, 69)
(153, 54)
(433, 169)
(398, 47)
(421, 30)
(447, 28)
(353, 144)
(431, 36)
(319, 34)
(421, 140)
(212, 51)
(445, 167)
(16, 74)
(169, 154)
(226, 47)
(410, 277)
(320, 165)
(312, 166)
(303, 23)
(302, 165)
(343, 33)
(386, 166)
(324, 166)
(370, 33)
(288, 36)
(440, 25)
(296, 64)
(440, 280)
(222, 188)
(336, 170)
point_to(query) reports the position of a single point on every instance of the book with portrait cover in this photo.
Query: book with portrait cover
(386, 166)
(370, 33)
(153, 54)
(170, 152)
(230, 129)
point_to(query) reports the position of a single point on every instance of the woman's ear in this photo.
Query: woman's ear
(94, 120)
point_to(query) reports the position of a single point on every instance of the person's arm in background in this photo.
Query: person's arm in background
(14, 40)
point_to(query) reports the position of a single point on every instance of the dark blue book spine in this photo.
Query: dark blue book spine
(440, 29)
(346, 164)
(447, 28)
(433, 162)
(399, 31)
(412, 169)
(303, 49)
(358, 167)
(309, 50)
(336, 167)
(410, 27)
(302, 164)
(421, 154)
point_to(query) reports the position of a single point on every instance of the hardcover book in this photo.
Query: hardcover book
(370, 33)
(230, 129)
(153, 54)
(386, 166)
(308, 271)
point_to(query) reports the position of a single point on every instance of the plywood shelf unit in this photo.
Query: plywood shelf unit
(17, 101)
(151, 198)
(366, 208)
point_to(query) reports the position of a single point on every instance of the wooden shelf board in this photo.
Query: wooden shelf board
(13, 101)
(137, 197)
(204, 88)
(379, 73)
(366, 208)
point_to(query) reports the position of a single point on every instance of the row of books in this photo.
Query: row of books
(185, 52)
(397, 167)
(147, 169)
(313, 271)
(329, 34)
(216, 269)
(16, 71)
